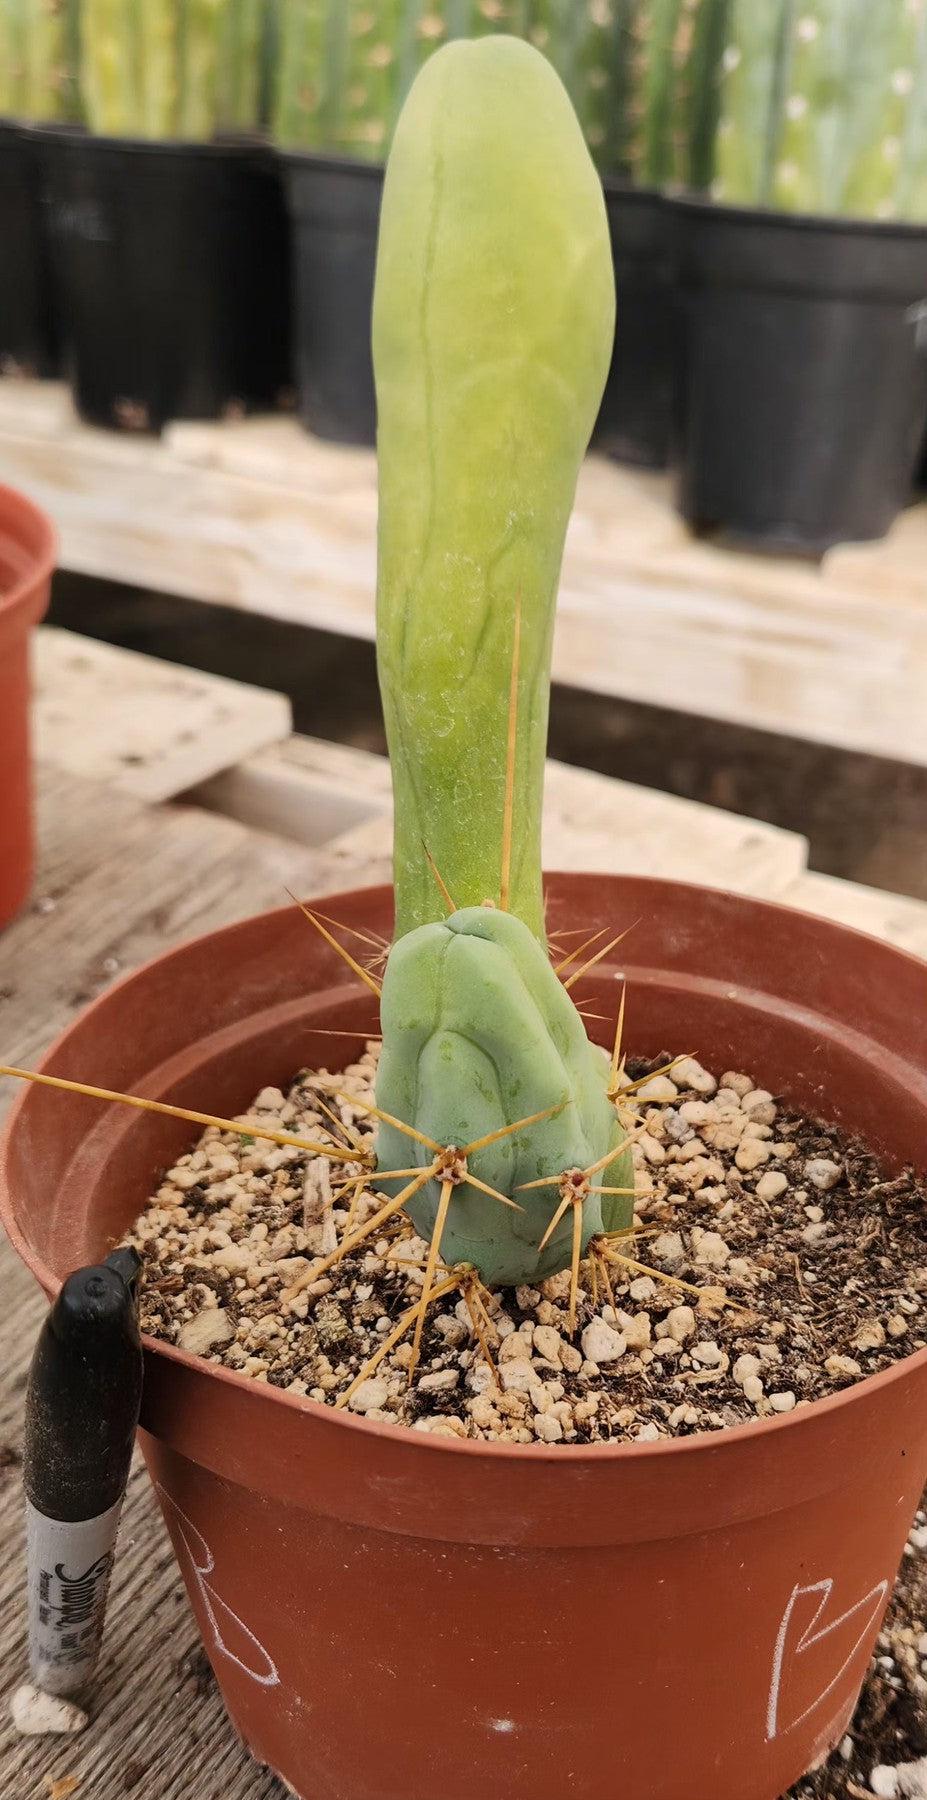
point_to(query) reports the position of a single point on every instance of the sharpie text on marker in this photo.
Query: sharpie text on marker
(82, 1409)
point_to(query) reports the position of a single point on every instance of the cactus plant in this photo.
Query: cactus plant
(493, 320)
(241, 81)
(345, 67)
(37, 59)
(170, 68)
(821, 102)
(587, 42)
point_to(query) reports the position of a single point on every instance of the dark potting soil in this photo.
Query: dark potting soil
(774, 1262)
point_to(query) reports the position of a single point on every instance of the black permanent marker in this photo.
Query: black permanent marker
(82, 1406)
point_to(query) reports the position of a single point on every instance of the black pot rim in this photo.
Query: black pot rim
(211, 149)
(702, 206)
(621, 187)
(331, 164)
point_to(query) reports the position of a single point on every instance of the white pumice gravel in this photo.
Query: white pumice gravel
(37, 1714)
(758, 1227)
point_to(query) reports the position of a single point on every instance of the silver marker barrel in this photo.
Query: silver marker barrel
(82, 1406)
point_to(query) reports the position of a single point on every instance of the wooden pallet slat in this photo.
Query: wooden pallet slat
(140, 725)
(258, 515)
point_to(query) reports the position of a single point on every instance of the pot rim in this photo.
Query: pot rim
(226, 145)
(330, 162)
(832, 224)
(30, 584)
(573, 1455)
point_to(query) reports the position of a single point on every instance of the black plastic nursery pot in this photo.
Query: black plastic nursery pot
(28, 333)
(636, 417)
(803, 373)
(334, 207)
(170, 261)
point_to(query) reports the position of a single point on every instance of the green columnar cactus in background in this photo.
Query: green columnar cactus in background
(158, 58)
(203, 26)
(171, 68)
(110, 87)
(912, 174)
(242, 65)
(345, 66)
(586, 42)
(752, 71)
(820, 106)
(665, 88)
(848, 85)
(700, 92)
(38, 59)
(493, 322)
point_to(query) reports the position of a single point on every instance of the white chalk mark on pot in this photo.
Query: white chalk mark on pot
(503, 1725)
(266, 1674)
(864, 1612)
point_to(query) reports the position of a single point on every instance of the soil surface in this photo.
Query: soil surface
(773, 1262)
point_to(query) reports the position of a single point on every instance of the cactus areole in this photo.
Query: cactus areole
(492, 332)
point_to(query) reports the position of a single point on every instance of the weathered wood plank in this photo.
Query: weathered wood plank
(302, 788)
(119, 882)
(146, 727)
(898, 918)
(329, 792)
(258, 515)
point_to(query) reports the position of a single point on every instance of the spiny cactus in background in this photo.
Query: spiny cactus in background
(667, 88)
(642, 75)
(586, 42)
(242, 73)
(345, 66)
(821, 106)
(165, 69)
(492, 332)
(912, 175)
(38, 59)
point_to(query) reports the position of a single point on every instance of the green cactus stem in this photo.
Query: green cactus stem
(583, 40)
(670, 28)
(345, 66)
(161, 69)
(492, 329)
(912, 174)
(493, 321)
(202, 31)
(820, 104)
(478, 1033)
(12, 58)
(885, 83)
(109, 69)
(158, 28)
(752, 81)
(38, 60)
(701, 92)
(242, 53)
(298, 115)
(337, 86)
(663, 89)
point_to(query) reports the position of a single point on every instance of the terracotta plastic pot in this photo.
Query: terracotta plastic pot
(27, 558)
(392, 1614)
